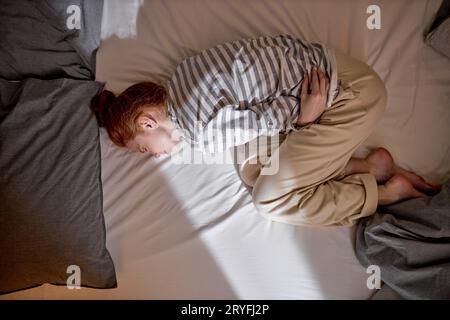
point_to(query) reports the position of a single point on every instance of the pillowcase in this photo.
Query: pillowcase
(51, 219)
(49, 39)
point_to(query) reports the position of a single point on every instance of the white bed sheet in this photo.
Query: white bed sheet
(191, 231)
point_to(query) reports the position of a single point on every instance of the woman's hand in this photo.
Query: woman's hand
(313, 96)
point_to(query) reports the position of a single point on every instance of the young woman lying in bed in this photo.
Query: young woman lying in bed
(327, 104)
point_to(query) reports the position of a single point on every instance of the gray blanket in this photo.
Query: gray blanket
(410, 242)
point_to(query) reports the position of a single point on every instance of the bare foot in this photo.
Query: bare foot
(417, 181)
(381, 164)
(397, 188)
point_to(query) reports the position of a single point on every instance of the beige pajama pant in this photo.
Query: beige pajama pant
(309, 187)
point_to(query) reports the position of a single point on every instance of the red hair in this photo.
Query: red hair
(119, 114)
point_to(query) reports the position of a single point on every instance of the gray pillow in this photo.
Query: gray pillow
(41, 39)
(50, 186)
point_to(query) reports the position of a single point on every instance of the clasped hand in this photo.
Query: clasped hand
(313, 96)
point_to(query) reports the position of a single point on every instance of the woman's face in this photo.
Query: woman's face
(156, 141)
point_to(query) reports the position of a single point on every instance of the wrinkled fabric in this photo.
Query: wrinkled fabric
(410, 242)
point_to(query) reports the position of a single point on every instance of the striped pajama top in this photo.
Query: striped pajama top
(232, 93)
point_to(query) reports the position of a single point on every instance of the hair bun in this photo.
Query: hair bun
(100, 104)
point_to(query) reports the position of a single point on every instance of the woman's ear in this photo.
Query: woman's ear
(146, 121)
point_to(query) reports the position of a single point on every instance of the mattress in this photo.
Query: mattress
(184, 231)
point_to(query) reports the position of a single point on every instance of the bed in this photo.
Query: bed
(179, 231)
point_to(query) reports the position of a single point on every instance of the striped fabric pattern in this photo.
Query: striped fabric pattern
(232, 93)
